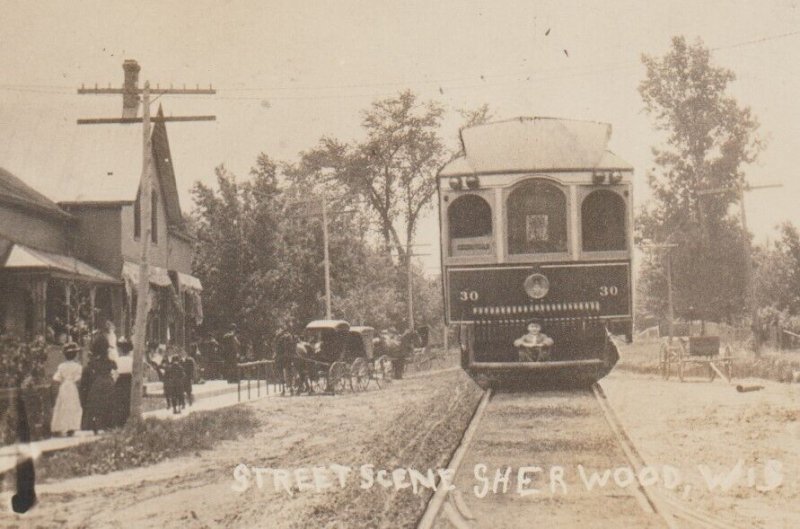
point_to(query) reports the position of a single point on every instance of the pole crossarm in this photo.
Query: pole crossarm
(153, 91)
(154, 119)
(720, 190)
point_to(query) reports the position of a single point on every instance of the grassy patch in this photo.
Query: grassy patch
(147, 442)
(642, 357)
(420, 437)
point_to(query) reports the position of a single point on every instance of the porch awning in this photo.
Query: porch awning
(23, 258)
(189, 282)
(158, 275)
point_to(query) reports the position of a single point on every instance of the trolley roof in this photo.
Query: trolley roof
(535, 144)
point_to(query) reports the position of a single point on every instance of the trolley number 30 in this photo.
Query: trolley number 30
(606, 291)
(468, 295)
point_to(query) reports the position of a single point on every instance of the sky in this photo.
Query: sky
(288, 73)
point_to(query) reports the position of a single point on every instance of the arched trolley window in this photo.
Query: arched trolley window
(537, 218)
(603, 222)
(469, 220)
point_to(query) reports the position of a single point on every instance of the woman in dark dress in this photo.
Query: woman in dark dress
(98, 386)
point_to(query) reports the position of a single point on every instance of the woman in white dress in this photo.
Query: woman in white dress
(67, 411)
(111, 336)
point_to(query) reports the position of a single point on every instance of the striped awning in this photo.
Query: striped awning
(189, 282)
(158, 275)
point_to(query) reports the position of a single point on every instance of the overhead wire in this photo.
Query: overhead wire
(487, 80)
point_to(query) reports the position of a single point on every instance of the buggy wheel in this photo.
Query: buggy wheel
(425, 362)
(359, 375)
(338, 377)
(663, 360)
(319, 382)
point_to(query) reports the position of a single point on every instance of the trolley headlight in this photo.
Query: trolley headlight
(473, 182)
(536, 286)
(455, 183)
(598, 177)
(616, 177)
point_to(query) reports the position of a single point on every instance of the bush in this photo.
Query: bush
(149, 441)
(21, 363)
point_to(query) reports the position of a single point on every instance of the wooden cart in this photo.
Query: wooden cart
(696, 350)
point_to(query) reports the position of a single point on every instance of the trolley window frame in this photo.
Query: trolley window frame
(566, 255)
(624, 192)
(446, 198)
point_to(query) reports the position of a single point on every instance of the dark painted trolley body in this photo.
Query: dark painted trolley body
(536, 224)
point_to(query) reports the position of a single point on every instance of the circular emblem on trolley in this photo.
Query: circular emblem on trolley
(536, 286)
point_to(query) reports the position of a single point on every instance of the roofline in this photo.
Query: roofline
(530, 171)
(58, 273)
(180, 233)
(56, 213)
(34, 246)
(533, 118)
(95, 203)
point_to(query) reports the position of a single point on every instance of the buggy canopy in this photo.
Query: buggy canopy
(333, 325)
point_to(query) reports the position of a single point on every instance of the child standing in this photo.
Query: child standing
(188, 365)
(173, 384)
(67, 411)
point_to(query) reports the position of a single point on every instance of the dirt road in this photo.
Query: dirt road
(706, 430)
(406, 424)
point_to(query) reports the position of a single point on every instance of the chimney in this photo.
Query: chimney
(130, 95)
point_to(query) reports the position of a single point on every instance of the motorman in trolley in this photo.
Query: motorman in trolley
(534, 346)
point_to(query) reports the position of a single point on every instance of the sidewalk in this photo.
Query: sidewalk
(209, 396)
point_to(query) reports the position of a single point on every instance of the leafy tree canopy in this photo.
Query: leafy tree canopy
(708, 139)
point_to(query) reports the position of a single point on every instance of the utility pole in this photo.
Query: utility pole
(410, 283)
(327, 258)
(131, 93)
(323, 213)
(670, 307)
(748, 256)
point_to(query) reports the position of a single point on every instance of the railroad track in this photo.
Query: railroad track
(563, 438)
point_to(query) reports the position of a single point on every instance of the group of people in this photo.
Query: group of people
(94, 397)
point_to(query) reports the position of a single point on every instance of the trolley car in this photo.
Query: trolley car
(536, 222)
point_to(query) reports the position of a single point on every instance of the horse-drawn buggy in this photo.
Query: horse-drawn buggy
(335, 356)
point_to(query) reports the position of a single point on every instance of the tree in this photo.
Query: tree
(709, 138)
(391, 171)
(778, 272)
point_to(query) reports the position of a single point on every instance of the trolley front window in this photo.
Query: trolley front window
(537, 219)
(469, 219)
(603, 222)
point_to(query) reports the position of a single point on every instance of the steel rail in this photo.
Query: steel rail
(438, 498)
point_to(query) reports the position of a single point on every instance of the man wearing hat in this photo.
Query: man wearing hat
(230, 353)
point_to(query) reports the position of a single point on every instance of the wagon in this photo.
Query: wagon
(696, 350)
